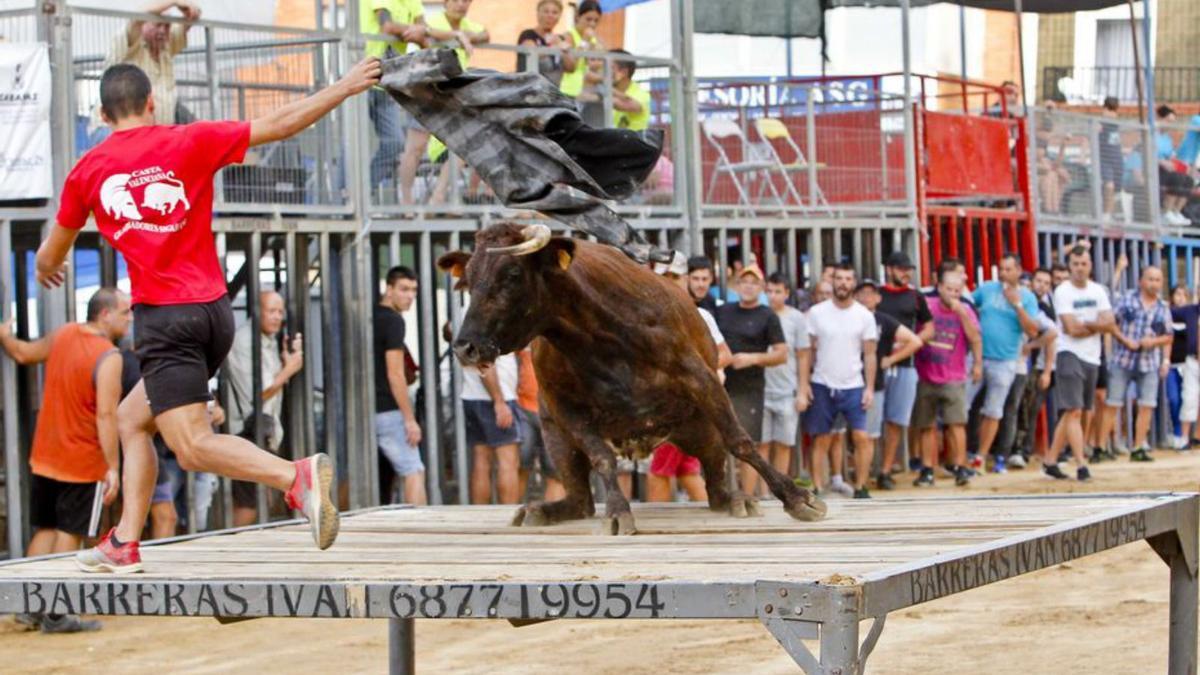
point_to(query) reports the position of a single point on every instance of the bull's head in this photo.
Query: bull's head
(509, 277)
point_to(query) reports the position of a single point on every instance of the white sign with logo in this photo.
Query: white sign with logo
(25, 167)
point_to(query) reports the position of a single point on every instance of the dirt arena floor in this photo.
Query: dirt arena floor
(1103, 614)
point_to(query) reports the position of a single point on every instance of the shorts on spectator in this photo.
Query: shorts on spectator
(1174, 183)
(480, 418)
(669, 461)
(780, 420)
(393, 442)
(533, 447)
(57, 505)
(1119, 380)
(1075, 382)
(945, 402)
(748, 406)
(899, 394)
(170, 480)
(877, 413)
(997, 379)
(829, 404)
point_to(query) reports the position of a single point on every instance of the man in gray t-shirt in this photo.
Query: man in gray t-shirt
(784, 393)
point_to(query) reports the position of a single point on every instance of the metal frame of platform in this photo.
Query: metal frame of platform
(793, 608)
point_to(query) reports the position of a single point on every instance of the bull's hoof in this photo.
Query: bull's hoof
(531, 515)
(618, 525)
(808, 508)
(743, 506)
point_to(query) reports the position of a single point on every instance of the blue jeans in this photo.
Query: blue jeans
(388, 119)
(1175, 397)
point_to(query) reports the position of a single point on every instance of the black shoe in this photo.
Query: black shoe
(915, 464)
(1083, 475)
(1193, 444)
(925, 479)
(1064, 456)
(68, 623)
(885, 482)
(1098, 455)
(1140, 455)
(1054, 472)
(962, 476)
(862, 493)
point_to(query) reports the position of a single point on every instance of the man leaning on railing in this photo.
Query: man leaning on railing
(152, 46)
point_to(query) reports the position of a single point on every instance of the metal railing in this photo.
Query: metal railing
(1091, 84)
(1091, 170)
(816, 147)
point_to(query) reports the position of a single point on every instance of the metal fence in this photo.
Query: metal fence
(793, 147)
(1092, 170)
(230, 72)
(1083, 84)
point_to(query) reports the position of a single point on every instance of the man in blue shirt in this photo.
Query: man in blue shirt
(1174, 178)
(1141, 354)
(1006, 311)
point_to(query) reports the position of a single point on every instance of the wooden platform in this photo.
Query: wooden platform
(801, 580)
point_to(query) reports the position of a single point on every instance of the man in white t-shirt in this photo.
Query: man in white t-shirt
(843, 336)
(493, 432)
(1084, 316)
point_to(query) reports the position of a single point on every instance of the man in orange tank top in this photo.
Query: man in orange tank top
(75, 446)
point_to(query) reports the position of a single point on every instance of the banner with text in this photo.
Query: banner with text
(25, 167)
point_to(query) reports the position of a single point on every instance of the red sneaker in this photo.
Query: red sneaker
(312, 495)
(125, 559)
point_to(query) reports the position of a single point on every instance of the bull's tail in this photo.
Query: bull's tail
(171, 178)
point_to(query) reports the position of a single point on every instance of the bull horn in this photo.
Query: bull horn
(536, 238)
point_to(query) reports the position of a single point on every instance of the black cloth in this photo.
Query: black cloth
(526, 140)
(550, 66)
(748, 330)
(131, 371)
(1184, 343)
(708, 302)
(180, 347)
(55, 505)
(388, 335)
(905, 305)
(887, 326)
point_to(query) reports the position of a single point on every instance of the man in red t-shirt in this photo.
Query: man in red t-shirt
(150, 189)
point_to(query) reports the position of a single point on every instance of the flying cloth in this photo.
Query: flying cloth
(526, 140)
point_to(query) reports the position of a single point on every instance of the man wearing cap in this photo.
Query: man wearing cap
(905, 304)
(1006, 312)
(756, 339)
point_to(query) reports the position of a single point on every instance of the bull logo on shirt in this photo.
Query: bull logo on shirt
(115, 197)
(165, 195)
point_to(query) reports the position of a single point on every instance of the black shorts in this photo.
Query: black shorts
(748, 406)
(180, 347)
(55, 505)
(1176, 184)
(481, 427)
(1075, 383)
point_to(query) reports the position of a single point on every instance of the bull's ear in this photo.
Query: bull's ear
(454, 262)
(558, 253)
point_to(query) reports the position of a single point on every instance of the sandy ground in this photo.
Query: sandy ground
(1103, 614)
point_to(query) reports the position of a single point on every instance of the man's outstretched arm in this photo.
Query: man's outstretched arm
(291, 119)
(52, 256)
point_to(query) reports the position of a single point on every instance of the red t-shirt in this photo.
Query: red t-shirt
(151, 190)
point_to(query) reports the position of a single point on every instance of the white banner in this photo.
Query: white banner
(25, 168)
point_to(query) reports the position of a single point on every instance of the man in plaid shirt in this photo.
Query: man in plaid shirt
(1141, 354)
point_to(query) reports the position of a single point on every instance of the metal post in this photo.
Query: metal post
(792, 267)
(769, 252)
(1018, 12)
(910, 157)
(402, 637)
(329, 354)
(13, 469)
(810, 139)
(462, 461)
(214, 100)
(224, 395)
(962, 40)
(428, 351)
(839, 636)
(688, 128)
(1151, 156)
(253, 288)
(1181, 656)
(1094, 177)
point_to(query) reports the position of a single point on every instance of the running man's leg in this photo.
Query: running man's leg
(139, 472)
(189, 433)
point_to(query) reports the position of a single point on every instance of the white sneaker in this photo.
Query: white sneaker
(1175, 218)
(842, 488)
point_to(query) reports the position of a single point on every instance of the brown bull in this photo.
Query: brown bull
(622, 358)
